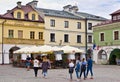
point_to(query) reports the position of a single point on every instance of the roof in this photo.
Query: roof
(116, 12)
(65, 14)
(90, 16)
(26, 9)
(57, 13)
(105, 23)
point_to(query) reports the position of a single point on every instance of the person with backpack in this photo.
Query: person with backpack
(83, 68)
(77, 68)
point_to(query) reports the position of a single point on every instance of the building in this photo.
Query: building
(22, 26)
(46, 26)
(69, 27)
(107, 40)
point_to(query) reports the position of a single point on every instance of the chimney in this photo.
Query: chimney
(67, 8)
(73, 9)
(33, 3)
(19, 4)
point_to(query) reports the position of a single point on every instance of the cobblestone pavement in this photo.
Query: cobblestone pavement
(102, 73)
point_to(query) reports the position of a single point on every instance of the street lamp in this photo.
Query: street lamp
(2, 41)
(86, 37)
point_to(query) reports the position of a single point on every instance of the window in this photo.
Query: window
(118, 17)
(19, 15)
(40, 36)
(89, 38)
(116, 35)
(10, 33)
(20, 34)
(52, 23)
(66, 38)
(79, 25)
(114, 18)
(52, 37)
(101, 36)
(89, 26)
(66, 24)
(102, 55)
(32, 35)
(33, 17)
(78, 38)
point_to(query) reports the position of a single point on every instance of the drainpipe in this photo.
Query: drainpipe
(3, 41)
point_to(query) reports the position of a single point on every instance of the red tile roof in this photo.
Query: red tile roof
(26, 9)
(104, 23)
(116, 12)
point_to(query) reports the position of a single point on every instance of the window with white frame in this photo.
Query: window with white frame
(114, 18)
(116, 35)
(66, 24)
(32, 35)
(79, 25)
(19, 15)
(118, 17)
(40, 35)
(52, 37)
(20, 34)
(89, 26)
(89, 38)
(78, 38)
(10, 33)
(66, 38)
(33, 17)
(52, 23)
(102, 36)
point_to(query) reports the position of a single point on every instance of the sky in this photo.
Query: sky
(101, 8)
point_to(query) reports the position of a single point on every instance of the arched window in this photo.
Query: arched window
(33, 16)
(19, 15)
(102, 55)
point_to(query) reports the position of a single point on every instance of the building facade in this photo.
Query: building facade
(70, 23)
(107, 40)
(28, 25)
(22, 26)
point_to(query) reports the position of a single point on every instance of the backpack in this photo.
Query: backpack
(77, 66)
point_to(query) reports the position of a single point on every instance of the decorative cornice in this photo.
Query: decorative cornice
(23, 41)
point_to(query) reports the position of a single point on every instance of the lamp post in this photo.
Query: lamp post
(2, 41)
(86, 37)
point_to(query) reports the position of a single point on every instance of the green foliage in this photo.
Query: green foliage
(114, 54)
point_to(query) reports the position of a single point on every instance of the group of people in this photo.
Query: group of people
(81, 67)
(44, 64)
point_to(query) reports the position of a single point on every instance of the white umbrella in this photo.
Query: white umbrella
(22, 50)
(33, 49)
(55, 48)
(70, 49)
(44, 48)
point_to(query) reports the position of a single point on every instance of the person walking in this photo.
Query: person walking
(28, 62)
(36, 64)
(45, 66)
(83, 68)
(77, 68)
(71, 69)
(89, 67)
